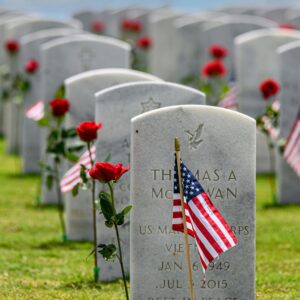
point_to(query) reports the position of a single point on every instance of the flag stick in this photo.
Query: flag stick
(187, 247)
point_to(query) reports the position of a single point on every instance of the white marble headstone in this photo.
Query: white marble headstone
(68, 56)
(256, 60)
(223, 34)
(30, 135)
(88, 17)
(224, 163)
(277, 14)
(288, 181)
(162, 55)
(190, 48)
(80, 90)
(114, 108)
(118, 15)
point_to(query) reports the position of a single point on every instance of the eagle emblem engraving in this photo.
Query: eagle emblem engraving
(194, 137)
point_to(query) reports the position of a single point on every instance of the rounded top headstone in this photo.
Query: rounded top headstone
(263, 33)
(47, 33)
(86, 37)
(163, 89)
(108, 72)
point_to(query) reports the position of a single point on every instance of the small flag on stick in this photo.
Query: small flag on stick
(230, 99)
(36, 112)
(72, 177)
(204, 222)
(292, 149)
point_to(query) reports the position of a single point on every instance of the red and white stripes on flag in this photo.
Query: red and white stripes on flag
(36, 111)
(205, 223)
(72, 177)
(230, 99)
(292, 149)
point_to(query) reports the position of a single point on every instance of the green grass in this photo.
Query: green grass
(35, 264)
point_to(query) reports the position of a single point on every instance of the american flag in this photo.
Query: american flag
(230, 99)
(204, 222)
(72, 177)
(36, 111)
(292, 149)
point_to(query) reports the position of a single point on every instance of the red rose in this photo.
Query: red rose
(144, 42)
(269, 88)
(87, 131)
(126, 24)
(12, 46)
(31, 66)
(97, 26)
(287, 26)
(59, 107)
(131, 25)
(214, 68)
(106, 172)
(136, 26)
(218, 52)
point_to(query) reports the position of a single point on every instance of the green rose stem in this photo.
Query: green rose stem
(96, 268)
(120, 257)
(272, 167)
(58, 190)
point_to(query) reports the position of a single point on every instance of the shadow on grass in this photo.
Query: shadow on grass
(83, 284)
(38, 206)
(54, 244)
(18, 175)
(279, 206)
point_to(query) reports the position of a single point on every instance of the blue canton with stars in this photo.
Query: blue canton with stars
(191, 187)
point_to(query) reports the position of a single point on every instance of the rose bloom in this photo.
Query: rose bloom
(269, 88)
(97, 26)
(12, 46)
(218, 52)
(136, 26)
(59, 107)
(287, 26)
(214, 68)
(31, 66)
(131, 25)
(87, 131)
(144, 42)
(105, 172)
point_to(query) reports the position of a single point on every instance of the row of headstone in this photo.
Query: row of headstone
(186, 38)
(14, 31)
(68, 56)
(289, 71)
(30, 134)
(80, 90)
(252, 49)
(114, 108)
(224, 157)
(217, 144)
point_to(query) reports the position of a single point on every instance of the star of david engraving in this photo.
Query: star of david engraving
(194, 138)
(86, 57)
(150, 105)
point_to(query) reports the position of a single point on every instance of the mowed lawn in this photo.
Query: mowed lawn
(35, 264)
